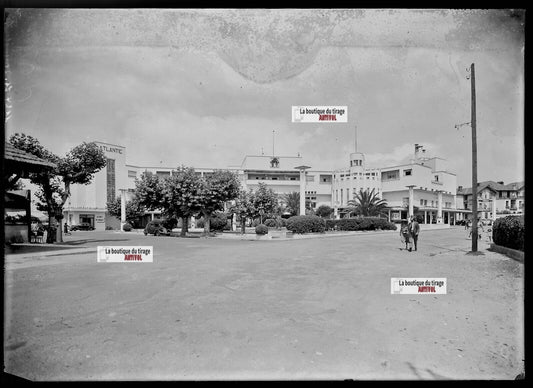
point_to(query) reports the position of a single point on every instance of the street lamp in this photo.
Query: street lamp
(302, 187)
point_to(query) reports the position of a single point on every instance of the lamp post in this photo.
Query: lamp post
(122, 208)
(302, 187)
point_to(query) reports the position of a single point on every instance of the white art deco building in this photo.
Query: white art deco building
(423, 185)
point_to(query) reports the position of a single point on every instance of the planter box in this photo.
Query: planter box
(277, 233)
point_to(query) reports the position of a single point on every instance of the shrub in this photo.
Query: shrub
(108, 228)
(127, 228)
(275, 222)
(200, 223)
(219, 222)
(271, 223)
(306, 224)
(261, 229)
(509, 232)
(360, 223)
(170, 223)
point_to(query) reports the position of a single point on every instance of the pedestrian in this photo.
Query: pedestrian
(405, 235)
(480, 228)
(414, 230)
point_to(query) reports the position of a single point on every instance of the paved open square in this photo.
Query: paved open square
(210, 308)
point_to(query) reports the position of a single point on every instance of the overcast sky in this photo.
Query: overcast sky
(204, 88)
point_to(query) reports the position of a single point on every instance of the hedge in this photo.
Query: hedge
(275, 222)
(360, 223)
(509, 232)
(261, 229)
(306, 224)
(218, 222)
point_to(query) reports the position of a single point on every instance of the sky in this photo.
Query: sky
(205, 87)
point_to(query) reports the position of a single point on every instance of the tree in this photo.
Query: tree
(134, 209)
(243, 207)
(324, 211)
(77, 167)
(182, 195)
(292, 202)
(264, 201)
(149, 191)
(216, 189)
(367, 204)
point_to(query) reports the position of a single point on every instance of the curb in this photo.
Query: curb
(61, 252)
(509, 252)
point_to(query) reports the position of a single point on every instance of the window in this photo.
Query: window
(421, 202)
(132, 174)
(310, 178)
(436, 178)
(390, 175)
(407, 172)
(162, 173)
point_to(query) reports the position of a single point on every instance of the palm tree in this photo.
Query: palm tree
(292, 202)
(367, 204)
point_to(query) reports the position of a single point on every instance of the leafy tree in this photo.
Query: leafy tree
(243, 207)
(292, 202)
(367, 204)
(264, 199)
(149, 191)
(182, 195)
(216, 189)
(324, 211)
(77, 167)
(134, 209)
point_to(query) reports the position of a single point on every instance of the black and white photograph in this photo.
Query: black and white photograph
(263, 194)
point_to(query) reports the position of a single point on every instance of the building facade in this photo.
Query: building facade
(494, 199)
(423, 186)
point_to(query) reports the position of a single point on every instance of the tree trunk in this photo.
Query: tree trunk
(243, 225)
(50, 237)
(184, 226)
(207, 223)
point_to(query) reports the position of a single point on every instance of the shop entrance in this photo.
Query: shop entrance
(87, 218)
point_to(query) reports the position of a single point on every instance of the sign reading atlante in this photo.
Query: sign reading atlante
(319, 114)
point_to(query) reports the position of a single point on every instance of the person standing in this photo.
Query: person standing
(405, 235)
(414, 230)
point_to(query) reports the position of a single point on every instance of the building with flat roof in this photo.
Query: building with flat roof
(423, 186)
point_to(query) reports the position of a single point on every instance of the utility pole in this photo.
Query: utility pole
(355, 139)
(273, 154)
(474, 160)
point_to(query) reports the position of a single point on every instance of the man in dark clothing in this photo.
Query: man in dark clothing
(414, 229)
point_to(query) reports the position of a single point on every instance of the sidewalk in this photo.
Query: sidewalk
(27, 250)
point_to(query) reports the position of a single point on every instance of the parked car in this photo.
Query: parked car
(82, 226)
(156, 228)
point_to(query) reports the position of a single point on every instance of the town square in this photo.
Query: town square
(264, 194)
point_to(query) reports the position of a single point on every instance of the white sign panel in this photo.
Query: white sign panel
(319, 114)
(130, 254)
(418, 286)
